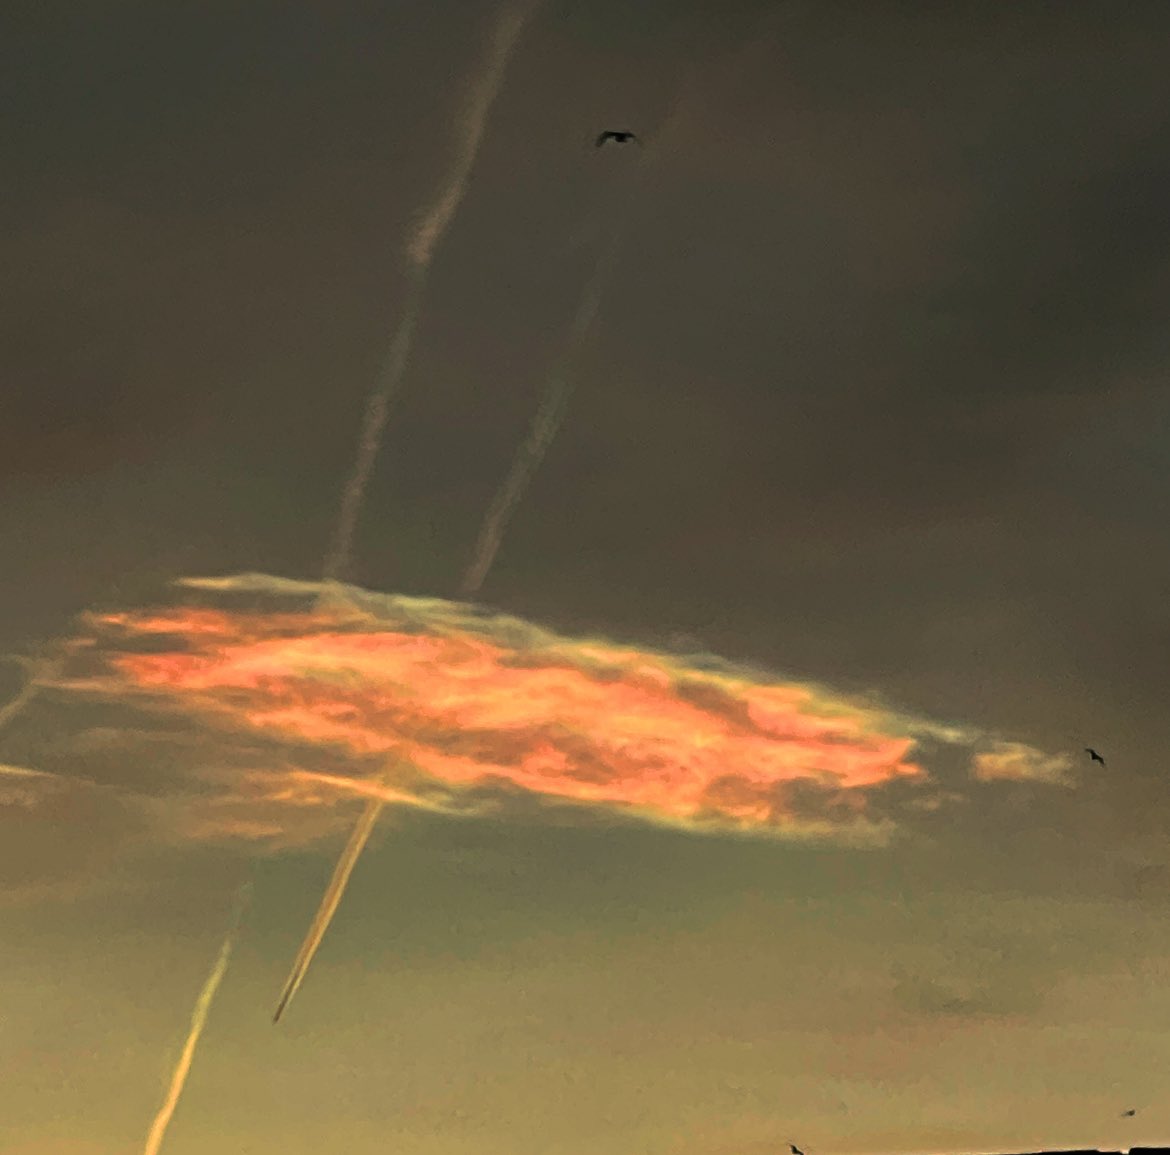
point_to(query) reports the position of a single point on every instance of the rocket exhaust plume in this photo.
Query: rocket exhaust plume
(198, 1018)
(337, 884)
(420, 251)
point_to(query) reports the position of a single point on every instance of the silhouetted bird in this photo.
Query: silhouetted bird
(621, 137)
(1127, 1114)
(794, 1149)
(1094, 756)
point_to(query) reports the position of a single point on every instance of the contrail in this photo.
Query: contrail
(554, 402)
(551, 411)
(434, 224)
(198, 1019)
(341, 872)
(40, 672)
(420, 251)
(549, 415)
(27, 692)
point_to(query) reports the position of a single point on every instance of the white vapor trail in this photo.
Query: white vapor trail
(483, 94)
(162, 1120)
(420, 252)
(549, 415)
(554, 402)
(329, 902)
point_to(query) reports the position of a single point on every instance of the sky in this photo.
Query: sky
(751, 806)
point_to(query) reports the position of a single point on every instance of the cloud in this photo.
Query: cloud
(58, 832)
(460, 699)
(26, 788)
(1014, 761)
(21, 772)
(250, 711)
(188, 788)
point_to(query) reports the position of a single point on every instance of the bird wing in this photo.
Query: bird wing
(602, 139)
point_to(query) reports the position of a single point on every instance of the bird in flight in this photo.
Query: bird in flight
(1128, 1114)
(620, 136)
(794, 1149)
(1094, 756)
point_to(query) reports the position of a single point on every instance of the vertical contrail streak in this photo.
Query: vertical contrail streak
(341, 872)
(198, 1019)
(420, 251)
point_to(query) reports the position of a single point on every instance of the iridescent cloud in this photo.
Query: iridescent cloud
(444, 705)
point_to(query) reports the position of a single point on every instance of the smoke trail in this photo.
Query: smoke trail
(341, 872)
(198, 1018)
(554, 402)
(420, 251)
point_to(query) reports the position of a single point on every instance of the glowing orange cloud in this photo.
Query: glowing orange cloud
(451, 698)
